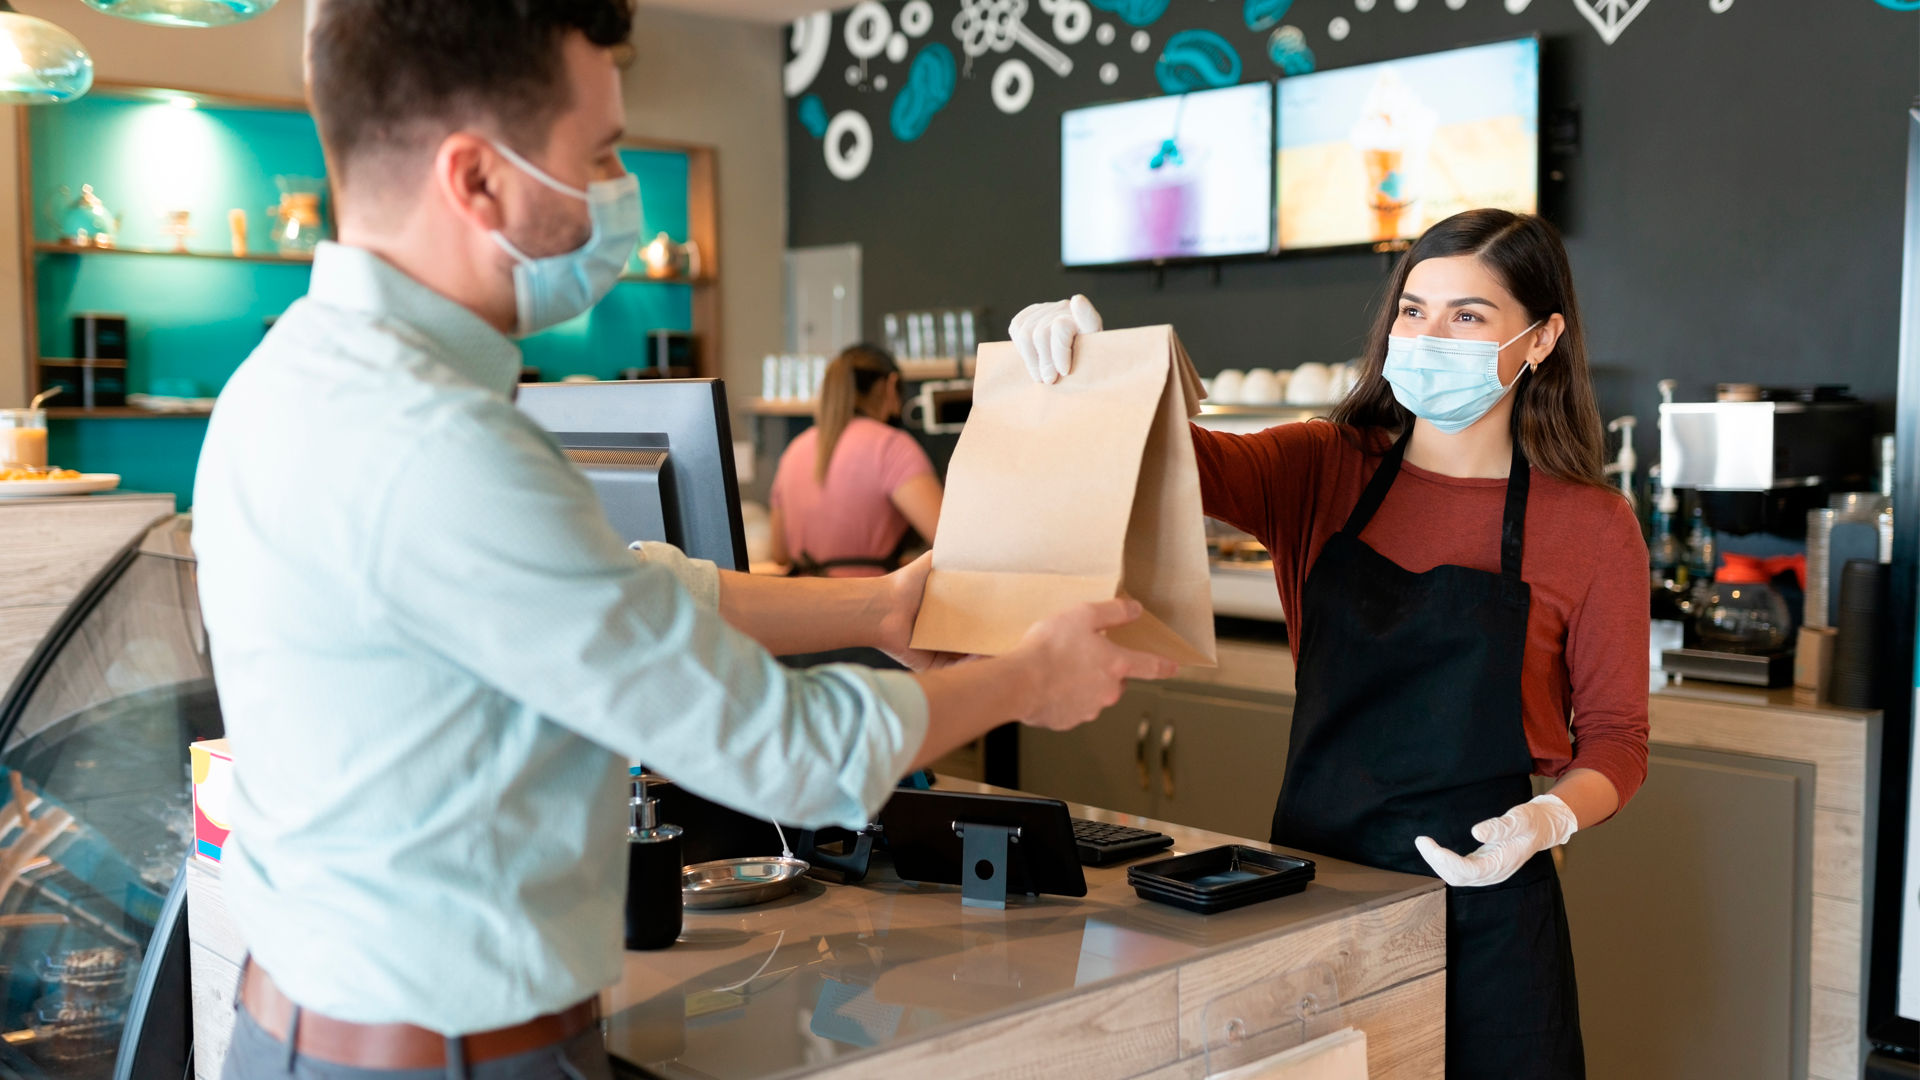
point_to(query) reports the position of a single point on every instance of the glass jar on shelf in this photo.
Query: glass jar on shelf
(86, 221)
(297, 227)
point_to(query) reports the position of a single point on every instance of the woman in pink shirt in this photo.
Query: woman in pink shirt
(850, 486)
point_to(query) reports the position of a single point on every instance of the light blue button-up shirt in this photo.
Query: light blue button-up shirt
(436, 657)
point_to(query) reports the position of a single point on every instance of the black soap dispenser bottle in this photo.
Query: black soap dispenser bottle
(653, 873)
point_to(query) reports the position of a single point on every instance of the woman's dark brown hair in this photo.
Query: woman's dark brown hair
(851, 377)
(1555, 416)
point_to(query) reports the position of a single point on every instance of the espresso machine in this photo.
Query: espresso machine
(1757, 462)
(1758, 466)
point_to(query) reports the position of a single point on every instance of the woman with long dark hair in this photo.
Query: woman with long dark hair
(1466, 599)
(849, 487)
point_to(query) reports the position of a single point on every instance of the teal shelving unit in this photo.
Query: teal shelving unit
(194, 316)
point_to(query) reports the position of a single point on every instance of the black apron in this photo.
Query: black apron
(1407, 723)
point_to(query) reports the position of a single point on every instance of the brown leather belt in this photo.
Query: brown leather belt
(401, 1046)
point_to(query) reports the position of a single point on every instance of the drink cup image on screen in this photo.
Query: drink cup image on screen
(1163, 182)
(1392, 136)
(1377, 153)
(1184, 176)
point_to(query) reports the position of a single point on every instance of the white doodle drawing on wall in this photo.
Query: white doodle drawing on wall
(897, 47)
(847, 162)
(1109, 73)
(1405, 5)
(811, 36)
(1339, 28)
(1142, 41)
(995, 25)
(1363, 5)
(1012, 85)
(1071, 19)
(916, 18)
(1515, 7)
(1611, 17)
(1104, 35)
(1719, 7)
(867, 30)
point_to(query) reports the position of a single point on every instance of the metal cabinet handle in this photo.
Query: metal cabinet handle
(1166, 760)
(1140, 753)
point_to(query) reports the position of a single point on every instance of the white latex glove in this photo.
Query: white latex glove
(1506, 843)
(1044, 335)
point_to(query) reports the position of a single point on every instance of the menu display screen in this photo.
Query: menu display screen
(1380, 151)
(1178, 177)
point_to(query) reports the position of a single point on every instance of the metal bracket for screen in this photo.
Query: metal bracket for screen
(631, 474)
(983, 863)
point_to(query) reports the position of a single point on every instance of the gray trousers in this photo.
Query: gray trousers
(255, 1055)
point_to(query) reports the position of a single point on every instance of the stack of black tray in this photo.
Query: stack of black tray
(1220, 879)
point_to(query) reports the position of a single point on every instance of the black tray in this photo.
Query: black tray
(1213, 906)
(1222, 872)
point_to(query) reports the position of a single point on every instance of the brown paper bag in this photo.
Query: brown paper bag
(1076, 492)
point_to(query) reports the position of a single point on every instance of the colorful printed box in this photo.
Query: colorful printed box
(212, 790)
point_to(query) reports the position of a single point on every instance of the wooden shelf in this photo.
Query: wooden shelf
(764, 407)
(121, 412)
(931, 370)
(53, 248)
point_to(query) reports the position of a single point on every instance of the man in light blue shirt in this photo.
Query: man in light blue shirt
(435, 657)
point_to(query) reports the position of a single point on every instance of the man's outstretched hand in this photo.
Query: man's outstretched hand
(905, 588)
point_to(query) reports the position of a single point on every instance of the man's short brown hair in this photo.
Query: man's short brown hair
(391, 78)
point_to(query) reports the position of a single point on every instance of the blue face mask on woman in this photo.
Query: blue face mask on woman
(550, 290)
(1449, 382)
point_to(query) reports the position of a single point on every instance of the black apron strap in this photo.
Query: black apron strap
(1513, 526)
(1376, 490)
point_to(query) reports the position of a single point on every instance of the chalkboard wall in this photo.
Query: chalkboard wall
(1733, 209)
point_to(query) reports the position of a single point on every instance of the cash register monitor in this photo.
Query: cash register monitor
(659, 454)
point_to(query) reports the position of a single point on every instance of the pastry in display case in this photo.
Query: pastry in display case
(97, 822)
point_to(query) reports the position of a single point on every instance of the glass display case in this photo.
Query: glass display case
(97, 821)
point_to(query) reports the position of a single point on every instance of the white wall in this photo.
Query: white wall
(695, 79)
(717, 81)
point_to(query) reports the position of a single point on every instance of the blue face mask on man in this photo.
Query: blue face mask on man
(550, 290)
(1449, 382)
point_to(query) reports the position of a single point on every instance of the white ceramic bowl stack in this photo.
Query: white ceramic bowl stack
(1307, 385)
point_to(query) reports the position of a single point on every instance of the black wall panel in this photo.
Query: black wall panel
(1733, 211)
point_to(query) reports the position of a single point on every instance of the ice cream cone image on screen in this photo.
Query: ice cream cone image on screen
(1392, 136)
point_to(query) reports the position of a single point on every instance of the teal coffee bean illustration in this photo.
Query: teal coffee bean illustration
(928, 88)
(1134, 12)
(1262, 14)
(813, 115)
(1288, 48)
(1197, 60)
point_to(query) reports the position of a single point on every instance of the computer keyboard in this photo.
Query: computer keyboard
(1100, 842)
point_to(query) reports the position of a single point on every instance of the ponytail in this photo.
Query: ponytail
(852, 375)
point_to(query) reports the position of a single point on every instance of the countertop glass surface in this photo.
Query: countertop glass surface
(833, 970)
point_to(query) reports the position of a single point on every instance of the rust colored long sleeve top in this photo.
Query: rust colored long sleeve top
(1584, 679)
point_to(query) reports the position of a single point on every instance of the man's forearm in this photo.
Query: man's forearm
(968, 700)
(805, 614)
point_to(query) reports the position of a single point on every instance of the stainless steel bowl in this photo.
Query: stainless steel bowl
(726, 883)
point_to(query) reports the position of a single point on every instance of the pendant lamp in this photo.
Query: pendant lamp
(40, 64)
(184, 12)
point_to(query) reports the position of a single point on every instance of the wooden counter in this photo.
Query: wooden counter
(890, 979)
(49, 549)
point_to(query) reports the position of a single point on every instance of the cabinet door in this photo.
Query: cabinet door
(1102, 763)
(1220, 761)
(1689, 913)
